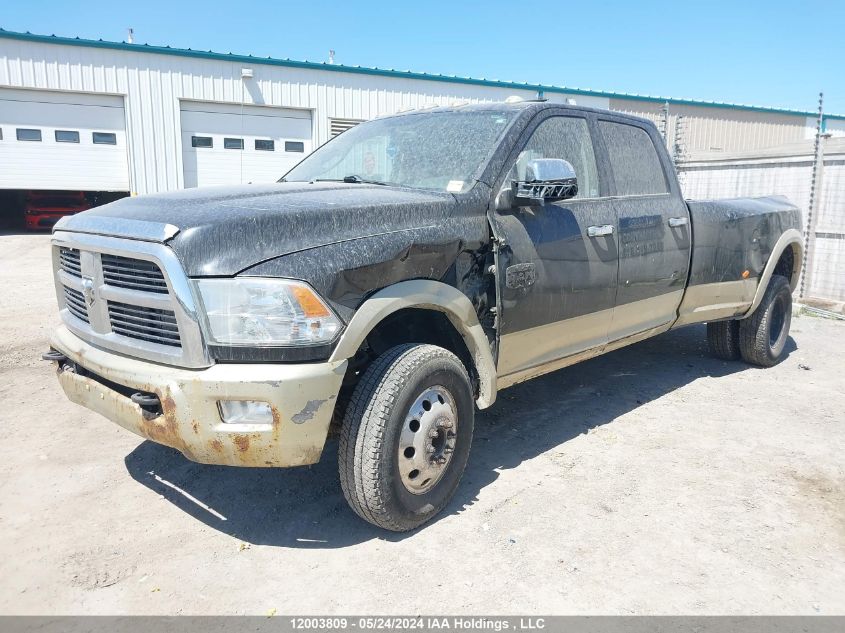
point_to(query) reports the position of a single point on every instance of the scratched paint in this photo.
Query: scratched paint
(307, 412)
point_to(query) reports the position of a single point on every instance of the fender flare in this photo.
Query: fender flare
(431, 295)
(790, 237)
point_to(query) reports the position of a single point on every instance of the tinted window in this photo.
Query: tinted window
(294, 146)
(266, 146)
(105, 138)
(567, 138)
(28, 135)
(67, 136)
(233, 143)
(633, 159)
(201, 141)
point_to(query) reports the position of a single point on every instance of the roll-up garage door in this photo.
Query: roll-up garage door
(225, 144)
(62, 140)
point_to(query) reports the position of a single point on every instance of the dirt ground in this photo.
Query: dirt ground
(653, 480)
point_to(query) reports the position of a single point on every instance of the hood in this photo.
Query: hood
(220, 231)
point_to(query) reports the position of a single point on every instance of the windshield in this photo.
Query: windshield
(432, 150)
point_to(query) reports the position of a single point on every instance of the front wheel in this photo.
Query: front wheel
(763, 335)
(406, 435)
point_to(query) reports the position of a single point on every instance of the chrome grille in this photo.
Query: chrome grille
(146, 324)
(69, 259)
(75, 303)
(135, 274)
(128, 296)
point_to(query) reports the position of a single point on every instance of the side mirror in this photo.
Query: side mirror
(546, 179)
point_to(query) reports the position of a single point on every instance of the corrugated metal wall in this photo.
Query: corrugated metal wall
(785, 171)
(828, 276)
(721, 129)
(153, 85)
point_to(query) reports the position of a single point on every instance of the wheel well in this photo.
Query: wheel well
(409, 325)
(418, 325)
(785, 265)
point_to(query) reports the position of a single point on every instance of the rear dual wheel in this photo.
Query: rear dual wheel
(763, 335)
(406, 435)
(759, 339)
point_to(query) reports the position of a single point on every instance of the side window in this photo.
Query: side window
(567, 138)
(633, 158)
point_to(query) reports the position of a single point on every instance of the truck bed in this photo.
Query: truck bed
(733, 240)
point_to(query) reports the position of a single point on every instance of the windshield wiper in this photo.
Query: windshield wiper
(353, 179)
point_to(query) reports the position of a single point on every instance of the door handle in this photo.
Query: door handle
(675, 222)
(598, 231)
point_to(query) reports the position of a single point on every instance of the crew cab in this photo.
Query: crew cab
(395, 281)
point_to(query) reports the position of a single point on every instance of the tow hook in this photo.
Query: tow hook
(145, 399)
(54, 356)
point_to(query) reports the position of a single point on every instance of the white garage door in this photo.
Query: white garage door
(62, 140)
(226, 144)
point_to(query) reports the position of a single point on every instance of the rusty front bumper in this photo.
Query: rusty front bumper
(301, 398)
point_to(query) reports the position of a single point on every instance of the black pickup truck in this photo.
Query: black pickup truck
(398, 278)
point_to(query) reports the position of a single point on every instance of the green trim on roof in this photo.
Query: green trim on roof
(384, 72)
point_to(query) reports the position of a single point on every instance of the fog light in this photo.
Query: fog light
(245, 412)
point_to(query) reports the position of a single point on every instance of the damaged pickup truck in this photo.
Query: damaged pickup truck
(398, 278)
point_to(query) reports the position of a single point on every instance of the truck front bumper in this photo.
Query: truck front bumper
(301, 399)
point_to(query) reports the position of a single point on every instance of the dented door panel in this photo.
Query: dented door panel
(574, 275)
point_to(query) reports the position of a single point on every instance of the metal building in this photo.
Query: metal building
(112, 116)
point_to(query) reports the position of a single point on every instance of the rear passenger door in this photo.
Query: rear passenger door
(653, 228)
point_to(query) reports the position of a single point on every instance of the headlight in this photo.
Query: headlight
(271, 312)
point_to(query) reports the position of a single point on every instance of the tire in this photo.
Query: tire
(723, 337)
(381, 447)
(763, 335)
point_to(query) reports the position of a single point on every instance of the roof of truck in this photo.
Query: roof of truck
(533, 105)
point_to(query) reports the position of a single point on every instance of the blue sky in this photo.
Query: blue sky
(774, 53)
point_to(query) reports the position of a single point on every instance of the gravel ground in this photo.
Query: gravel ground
(652, 480)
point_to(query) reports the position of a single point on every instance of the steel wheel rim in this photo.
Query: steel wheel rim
(427, 440)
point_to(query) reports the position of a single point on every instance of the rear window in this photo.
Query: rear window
(633, 158)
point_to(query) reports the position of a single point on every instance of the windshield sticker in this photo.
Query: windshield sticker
(455, 185)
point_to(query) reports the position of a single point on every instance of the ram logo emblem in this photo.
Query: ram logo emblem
(88, 290)
(520, 276)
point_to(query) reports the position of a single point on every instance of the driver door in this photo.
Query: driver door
(557, 261)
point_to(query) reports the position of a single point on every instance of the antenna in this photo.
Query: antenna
(130, 36)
